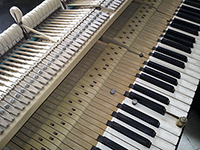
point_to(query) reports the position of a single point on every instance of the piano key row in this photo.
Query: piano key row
(82, 96)
(109, 137)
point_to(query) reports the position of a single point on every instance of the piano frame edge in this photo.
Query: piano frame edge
(41, 97)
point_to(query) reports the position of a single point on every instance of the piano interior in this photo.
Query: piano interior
(99, 74)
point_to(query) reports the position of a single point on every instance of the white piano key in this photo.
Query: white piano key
(101, 146)
(128, 140)
(181, 81)
(175, 102)
(156, 141)
(169, 108)
(185, 70)
(167, 122)
(188, 65)
(189, 78)
(160, 132)
(186, 20)
(197, 38)
(176, 95)
(118, 140)
(178, 88)
(192, 58)
(189, 6)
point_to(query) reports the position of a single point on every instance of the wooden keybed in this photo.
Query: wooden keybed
(77, 111)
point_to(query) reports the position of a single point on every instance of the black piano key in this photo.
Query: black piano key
(180, 38)
(146, 102)
(187, 16)
(95, 148)
(182, 35)
(176, 45)
(159, 75)
(168, 59)
(156, 82)
(190, 10)
(134, 124)
(185, 26)
(163, 69)
(150, 93)
(139, 115)
(192, 3)
(109, 143)
(171, 53)
(132, 135)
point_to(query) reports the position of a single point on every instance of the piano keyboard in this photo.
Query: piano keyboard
(95, 106)
(149, 80)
